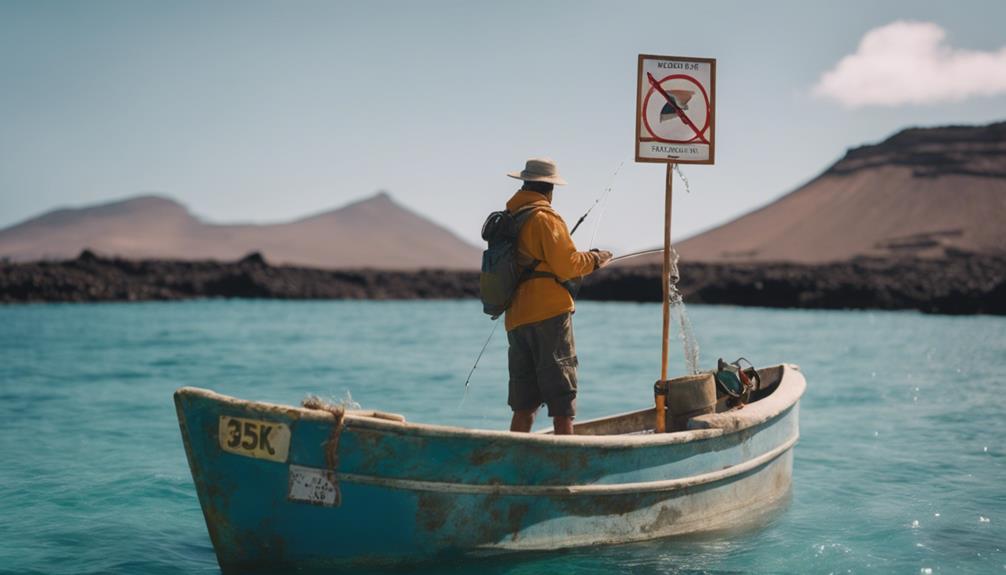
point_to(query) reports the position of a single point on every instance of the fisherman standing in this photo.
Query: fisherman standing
(542, 355)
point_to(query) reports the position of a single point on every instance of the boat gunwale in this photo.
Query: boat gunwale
(786, 395)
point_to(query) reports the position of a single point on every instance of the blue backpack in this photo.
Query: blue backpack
(501, 270)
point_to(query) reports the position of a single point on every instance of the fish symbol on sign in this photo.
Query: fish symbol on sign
(679, 100)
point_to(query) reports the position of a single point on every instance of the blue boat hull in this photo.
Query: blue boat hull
(277, 491)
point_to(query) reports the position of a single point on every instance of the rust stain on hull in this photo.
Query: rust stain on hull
(666, 518)
(515, 517)
(432, 511)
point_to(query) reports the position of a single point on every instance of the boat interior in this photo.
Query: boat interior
(642, 421)
(763, 383)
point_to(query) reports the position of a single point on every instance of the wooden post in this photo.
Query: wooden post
(666, 278)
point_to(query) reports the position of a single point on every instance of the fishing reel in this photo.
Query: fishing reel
(735, 380)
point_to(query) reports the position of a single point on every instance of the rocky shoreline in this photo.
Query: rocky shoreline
(961, 284)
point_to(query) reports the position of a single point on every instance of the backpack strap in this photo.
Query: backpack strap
(521, 216)
(526, 211)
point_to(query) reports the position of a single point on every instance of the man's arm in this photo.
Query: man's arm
(560, 252)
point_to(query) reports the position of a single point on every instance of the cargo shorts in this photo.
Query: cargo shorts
(543, 365)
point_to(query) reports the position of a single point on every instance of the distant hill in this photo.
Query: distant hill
(920, 193)
(376, 232)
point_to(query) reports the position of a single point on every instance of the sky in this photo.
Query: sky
(269, 111)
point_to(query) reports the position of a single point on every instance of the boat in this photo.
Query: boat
(286, 487)
(320, 486)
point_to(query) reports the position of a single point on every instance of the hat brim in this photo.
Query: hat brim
(557, 180)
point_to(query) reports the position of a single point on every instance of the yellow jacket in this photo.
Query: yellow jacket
(544, 237)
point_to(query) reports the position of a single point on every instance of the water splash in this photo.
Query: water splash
(346, 401)
(684, 180)
(679, 316)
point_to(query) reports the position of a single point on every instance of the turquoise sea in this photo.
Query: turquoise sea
(901, 465)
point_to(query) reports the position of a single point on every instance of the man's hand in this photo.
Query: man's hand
(601, 258)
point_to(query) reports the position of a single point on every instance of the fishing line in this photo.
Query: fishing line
(496, 324)
(599, 199)
(604, 208)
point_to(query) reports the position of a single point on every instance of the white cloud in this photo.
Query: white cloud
(911, 63)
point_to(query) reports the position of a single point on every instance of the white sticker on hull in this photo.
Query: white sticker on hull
(312, 486)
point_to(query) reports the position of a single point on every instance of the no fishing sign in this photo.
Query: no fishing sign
(675, 110)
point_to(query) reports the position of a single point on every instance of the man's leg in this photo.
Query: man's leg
(524, 397)
(556, 371)
(562, 425)
(522, 420)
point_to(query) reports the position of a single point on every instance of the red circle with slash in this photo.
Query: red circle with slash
(646, 101)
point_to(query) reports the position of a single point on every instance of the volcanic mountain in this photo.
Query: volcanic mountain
(924, 192)
(374, 233)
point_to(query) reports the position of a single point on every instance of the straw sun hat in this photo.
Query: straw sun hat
(540, 170)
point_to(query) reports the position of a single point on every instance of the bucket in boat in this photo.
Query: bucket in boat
(686, 397)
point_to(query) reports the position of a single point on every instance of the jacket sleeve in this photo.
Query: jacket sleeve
(558, 248)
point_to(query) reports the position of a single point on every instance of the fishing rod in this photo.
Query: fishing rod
(584, 216)
(598, 199)
(636, 255)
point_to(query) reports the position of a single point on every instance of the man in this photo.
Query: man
(542, 355)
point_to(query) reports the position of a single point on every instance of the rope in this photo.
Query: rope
(332, 443)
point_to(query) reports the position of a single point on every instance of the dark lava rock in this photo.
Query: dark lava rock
(87, 255)
(932, 152)
(254, 258)
(94, 278)
(961, 284)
